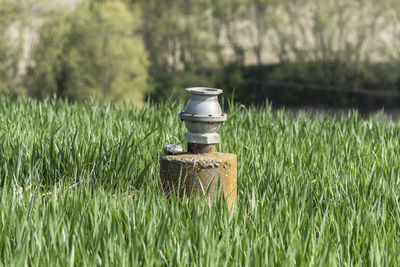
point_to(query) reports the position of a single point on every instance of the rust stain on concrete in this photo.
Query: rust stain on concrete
(193, 174)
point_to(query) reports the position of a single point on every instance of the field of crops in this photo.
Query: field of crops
(79, 186)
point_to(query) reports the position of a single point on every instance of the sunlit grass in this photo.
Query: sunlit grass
(79, 185)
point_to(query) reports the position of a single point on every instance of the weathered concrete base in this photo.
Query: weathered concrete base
(197, 172)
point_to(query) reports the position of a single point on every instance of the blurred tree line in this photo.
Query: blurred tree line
(74, 53)
(334, 52)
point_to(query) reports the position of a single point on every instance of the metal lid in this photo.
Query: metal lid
(204, 91)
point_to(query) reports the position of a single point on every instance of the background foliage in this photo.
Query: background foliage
(335, 52)
(90, 51)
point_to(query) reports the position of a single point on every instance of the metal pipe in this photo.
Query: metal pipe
(200, 148)
(202, 116)
(202, 167)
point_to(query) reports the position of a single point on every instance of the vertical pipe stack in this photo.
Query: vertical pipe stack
(201, 170)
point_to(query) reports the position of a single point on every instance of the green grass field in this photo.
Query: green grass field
(79, 186)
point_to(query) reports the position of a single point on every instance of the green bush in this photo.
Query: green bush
(90, 51)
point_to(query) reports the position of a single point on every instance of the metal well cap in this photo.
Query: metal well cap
(203, 115)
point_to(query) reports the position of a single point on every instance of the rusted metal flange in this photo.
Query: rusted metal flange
(200, 148)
